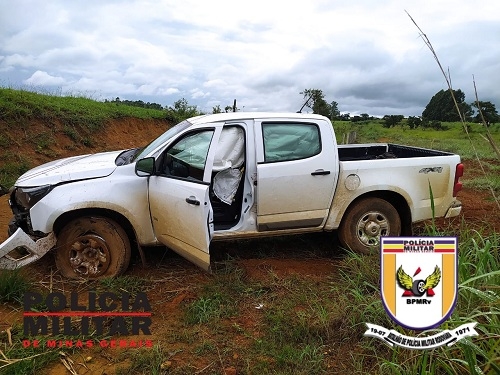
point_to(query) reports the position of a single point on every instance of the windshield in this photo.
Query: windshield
(162, 139)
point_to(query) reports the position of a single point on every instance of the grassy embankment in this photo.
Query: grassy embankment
(77, 118)
(304, 326)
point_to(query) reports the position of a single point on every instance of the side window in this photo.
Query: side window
(187, 157)
(290, 141)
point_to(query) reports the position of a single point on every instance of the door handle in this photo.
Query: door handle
(320, 172)
(193, 200)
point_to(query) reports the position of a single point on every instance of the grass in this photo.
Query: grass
(146, 361)
(11, 167)
(484, 182)
(478, 300)
(17, 359)
(126, 283)
(301, 322)
(26, 361)
(19, 107)
(13, 285)
(294, 324)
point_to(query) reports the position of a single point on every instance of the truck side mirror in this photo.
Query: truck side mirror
(145, 167)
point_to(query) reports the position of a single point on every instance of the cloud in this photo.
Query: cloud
(367, 56)
(40, 78)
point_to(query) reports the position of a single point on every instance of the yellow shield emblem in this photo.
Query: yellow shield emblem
(419, 279)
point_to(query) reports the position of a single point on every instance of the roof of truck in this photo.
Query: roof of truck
(234, 116)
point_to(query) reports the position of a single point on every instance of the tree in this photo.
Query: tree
(488, 110)
(345, 117)
(181, 111)
(442, 108)
(227, 108)
(334, 110)
(392, 120)
(414, 122)
(315, 100)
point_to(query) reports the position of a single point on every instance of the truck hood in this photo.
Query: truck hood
(69, 169)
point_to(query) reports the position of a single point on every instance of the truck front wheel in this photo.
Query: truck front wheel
(365, 221)
(92, 247)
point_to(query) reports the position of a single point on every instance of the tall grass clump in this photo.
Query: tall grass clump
(13, 285)
(17, 360)
(219, 298)
(146, 361)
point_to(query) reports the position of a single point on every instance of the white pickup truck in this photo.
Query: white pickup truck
(224, 176)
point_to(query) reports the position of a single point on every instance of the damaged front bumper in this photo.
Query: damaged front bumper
(20, 249)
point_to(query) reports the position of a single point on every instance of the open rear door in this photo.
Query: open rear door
(180, 207)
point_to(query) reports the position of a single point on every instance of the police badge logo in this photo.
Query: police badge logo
(419, 290)
(419, 279)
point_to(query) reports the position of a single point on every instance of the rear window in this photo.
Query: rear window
(290, 141)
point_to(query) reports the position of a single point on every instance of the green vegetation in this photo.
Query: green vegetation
(441, 107)
(26, 361)
(11, 167)
(13, 285)
(181, 110)
(126, 283)
(146, 361)
(298, 324)
(315, 100)
(301, 322)
(19, 107)
(24, 113)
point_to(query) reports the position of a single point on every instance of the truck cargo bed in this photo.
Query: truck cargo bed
(384, 151)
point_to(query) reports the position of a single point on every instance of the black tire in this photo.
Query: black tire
(418, 288)
(92, 247)
(365, 222)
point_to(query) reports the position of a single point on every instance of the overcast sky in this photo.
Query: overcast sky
(366, 55)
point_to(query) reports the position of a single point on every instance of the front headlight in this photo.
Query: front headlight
(29, 196)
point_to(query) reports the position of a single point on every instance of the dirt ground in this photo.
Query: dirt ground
(176, 280)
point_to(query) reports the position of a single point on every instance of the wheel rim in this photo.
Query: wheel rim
(421, 287)
(89, 255)
(370, 227)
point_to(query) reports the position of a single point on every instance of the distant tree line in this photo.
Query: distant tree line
(441, 108)
(136, 103)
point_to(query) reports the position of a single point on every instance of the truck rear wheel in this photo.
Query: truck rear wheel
(365, 222)
(92, 247)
